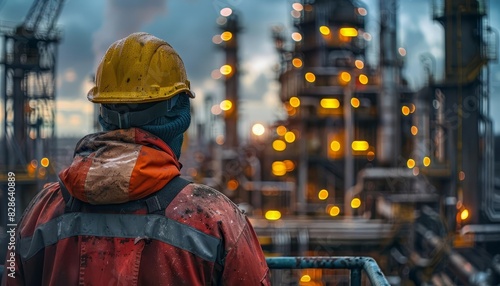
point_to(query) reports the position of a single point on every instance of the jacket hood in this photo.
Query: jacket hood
(119, 166)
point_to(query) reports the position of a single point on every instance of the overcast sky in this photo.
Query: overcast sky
(89, 27)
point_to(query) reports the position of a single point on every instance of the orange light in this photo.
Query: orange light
(281, 130)
(335, 146)
(363, 79)
(345, 76)
(290, 166)
(44, 162)
(278, 168)
(355, 203)
(355, 102)
(405, 110)
(232, 185)
(310, 77)
(290, 137)
(334, 211)
(426, 161)
(410, 163)
(305, 278)
(359, 64)
(323, 194)
(226, 36)
(297, 37)
(279, 145)
(294, 101)
(296, 62)
(414, 130)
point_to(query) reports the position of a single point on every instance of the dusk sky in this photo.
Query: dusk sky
(89, 27)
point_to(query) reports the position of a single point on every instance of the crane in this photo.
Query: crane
(28, 83)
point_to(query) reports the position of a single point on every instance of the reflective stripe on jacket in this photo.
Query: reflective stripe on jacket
(202, 238)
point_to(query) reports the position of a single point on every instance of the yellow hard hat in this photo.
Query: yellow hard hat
(137, 69)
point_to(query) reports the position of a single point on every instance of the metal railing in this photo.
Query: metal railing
(356, 265)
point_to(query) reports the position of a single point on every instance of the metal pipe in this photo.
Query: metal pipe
(368, 264)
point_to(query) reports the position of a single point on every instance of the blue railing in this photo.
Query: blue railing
(356, 265)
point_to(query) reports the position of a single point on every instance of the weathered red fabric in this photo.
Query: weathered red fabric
(92, 260)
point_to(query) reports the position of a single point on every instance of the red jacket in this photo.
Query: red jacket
(201, 238)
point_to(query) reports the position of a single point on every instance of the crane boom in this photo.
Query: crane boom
(42, 16)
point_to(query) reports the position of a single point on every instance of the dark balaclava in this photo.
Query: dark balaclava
(170, 127)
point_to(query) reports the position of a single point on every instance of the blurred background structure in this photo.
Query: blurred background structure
(357, 162)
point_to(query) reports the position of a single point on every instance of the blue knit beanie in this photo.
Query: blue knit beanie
(170, 128)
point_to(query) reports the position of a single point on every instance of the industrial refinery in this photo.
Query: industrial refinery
(361, 164)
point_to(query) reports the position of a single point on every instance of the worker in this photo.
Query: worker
(120, 213)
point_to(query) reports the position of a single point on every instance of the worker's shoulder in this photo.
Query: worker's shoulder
(199, 202)
(45, 205)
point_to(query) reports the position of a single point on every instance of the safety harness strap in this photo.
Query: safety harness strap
(155, 203)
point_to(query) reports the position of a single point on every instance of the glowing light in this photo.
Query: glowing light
(216, 74)
(34, 163)
(359, 64)
(258, 129)
(414, 130)
(329, 103)
(220, 140)
(310, 77)
(416, 171)
(345, 77)
(225, 12)
(297, 7)
(232, 185)
(216, 39)
(225, 69)
(44, 162)
(426, 161)
(294, 101)
(296, 62)
(323, 194)
(290, 137)
(363, 79)
(355, 102)
(367, 36)
(226, 105)
(226, 36)
(348, 32)
(273, 215)
(461, 175)
(402, 51)
(405, 110)
(305, 278)
(296, 36)
(410, 163)
(279, 145)
(370, 156)
(412, 108)
(464, 214)
(216, 109)
(362, 11)
(278, 168)
(335, 146)
(290, 165)
(295, 14)
(324, 30)
(360, 145)
(281, 130)
(355, 203)
(334, 211)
